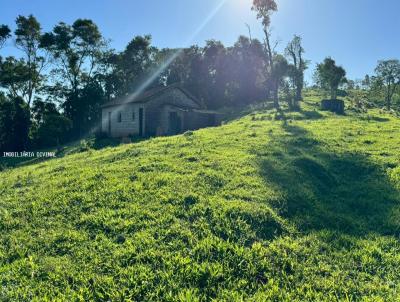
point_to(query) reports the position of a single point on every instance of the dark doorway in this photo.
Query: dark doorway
(211, 120)
(140, 121)
(175, 125)
(109, 123)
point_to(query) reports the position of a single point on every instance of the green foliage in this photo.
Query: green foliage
(27, 39)
(14, 124)
(295, 52)
(5, 33)
(217, 75)
(53, 131)
(304, 207)
(77, 51)
(329, 76)
(14, 76)
(388, 73)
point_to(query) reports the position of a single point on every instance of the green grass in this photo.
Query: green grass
(305, 208)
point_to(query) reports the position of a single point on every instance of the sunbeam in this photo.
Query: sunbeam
(166, 63)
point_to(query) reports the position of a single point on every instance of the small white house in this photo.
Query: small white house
(161, 111)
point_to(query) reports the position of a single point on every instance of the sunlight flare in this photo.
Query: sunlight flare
(168, 61)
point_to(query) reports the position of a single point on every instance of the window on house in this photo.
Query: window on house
(133, 115)
(119, 117)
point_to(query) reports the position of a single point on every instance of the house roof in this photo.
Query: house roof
(203, 111)
(147, 96)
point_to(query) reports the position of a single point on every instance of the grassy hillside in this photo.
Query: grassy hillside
(305, 208)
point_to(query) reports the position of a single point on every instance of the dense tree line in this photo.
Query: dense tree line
(52, 92)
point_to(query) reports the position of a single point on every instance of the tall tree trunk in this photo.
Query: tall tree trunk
(298, 93)
(333, 93)
(30, 94)
(300, 83)
(388, 97)
(275, 88)
(272, 72)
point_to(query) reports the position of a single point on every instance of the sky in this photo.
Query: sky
(356, 33)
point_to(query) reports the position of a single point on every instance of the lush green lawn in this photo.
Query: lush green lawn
(305, 208)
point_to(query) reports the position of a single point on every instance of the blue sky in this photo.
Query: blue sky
(356, 33)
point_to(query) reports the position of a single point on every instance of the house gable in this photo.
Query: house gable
(175, 97)
(169, 94)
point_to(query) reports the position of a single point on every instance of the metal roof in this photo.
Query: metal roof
(147, 96)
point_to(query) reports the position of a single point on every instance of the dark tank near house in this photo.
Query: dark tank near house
(160, 111)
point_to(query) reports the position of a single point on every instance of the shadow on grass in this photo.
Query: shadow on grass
(343, 192)
(236, 113)
(376, 119)
(98, 144)
(311, 115)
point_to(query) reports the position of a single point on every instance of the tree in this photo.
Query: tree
(77, 52)
(281, 71)
(131, 67)
(40, 109)
(21, 124)
(245, 71)
(329, 76)
(14, 124)
(5, 33)
(388, 71)
(27, 39)
(264, 9)
(53, 130)
(350, 84)
(294, 51)
(217, 75)
(188, 69)
(366, 83)
(6, 119)
(14, 76)
(49, 127)
(212, 72)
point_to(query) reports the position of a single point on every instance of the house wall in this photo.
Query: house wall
(156, 120)
(190, 120)
(128, 126)
(158, 109)
(164, 126)
(193, 120)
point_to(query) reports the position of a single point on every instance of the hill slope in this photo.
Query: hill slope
(259, 209)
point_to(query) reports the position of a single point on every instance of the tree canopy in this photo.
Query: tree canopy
(5, 33)
(388, 73)
(294, 51)
(329, 76)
